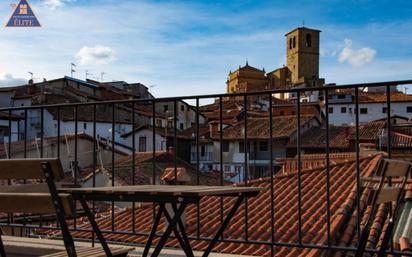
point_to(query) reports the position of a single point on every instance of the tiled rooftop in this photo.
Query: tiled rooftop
(258, 128)
(315, 138)
(314, 228)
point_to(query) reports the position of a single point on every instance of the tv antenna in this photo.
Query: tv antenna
(72, 70)
(101, 76)
(86, 73)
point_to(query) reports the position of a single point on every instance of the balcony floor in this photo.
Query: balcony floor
(31, 247)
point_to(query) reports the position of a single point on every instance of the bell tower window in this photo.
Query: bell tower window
(290, 43)
(294, 42)
(308, 40)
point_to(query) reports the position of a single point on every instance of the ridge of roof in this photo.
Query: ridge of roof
(318, 168)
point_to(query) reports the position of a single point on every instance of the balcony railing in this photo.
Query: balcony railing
(268, 236)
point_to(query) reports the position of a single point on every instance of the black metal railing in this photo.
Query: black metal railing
(58, 122)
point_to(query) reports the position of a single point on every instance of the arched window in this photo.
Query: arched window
(290, 43)
(308, 40)
(294, 42)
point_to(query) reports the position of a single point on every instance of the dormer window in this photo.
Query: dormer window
(308, 40)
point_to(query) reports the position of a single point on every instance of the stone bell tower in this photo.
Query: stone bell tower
(302, 48)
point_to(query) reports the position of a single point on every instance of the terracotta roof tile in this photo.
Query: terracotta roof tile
(316, 138)
(258, 128)
(342, 206)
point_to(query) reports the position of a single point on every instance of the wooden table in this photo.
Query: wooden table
(176, 196)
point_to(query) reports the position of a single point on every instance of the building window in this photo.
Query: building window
(409, 109)
(85, 126)
(363, 110)
(165, 108)
(290, 43)
(384, 109)
(282, 113)
(308, 40)
(182, 108)
(238, 169)
(263, 146)
(293, 112)
(202, 150)
(241, 147)
(343, 109)
(294, 42)
(330, 110)
(341, 97)
(227, 168)
(142, 144)
(225, 146)
(182, 126)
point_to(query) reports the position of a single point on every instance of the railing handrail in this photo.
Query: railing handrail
(194, 97)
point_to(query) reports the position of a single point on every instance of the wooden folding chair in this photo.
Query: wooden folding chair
(43, 198)
(384, 192)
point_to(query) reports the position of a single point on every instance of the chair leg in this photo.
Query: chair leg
(96, 229)
(60, 213)
(2, 251)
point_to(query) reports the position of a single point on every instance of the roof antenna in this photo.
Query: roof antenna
(86, 74)
(72, 70)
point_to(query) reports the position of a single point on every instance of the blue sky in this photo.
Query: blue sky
(188, 47)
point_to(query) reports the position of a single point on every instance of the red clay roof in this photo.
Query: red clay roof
(312, 161)
(258, 128)
(316, 138)
(314, 229)
(163, 160)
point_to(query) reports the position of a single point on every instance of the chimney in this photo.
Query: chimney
(213, 128)
(30, 87)
(347, 132)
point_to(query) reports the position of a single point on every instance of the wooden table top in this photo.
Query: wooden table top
(165, 190)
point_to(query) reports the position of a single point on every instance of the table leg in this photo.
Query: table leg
(224, 225)
(154, 229)
(168, 231)
(181, 237)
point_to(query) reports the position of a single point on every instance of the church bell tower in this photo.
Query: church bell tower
(302, 48)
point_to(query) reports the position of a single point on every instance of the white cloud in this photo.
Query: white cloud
(54, 4)
(356, 57)
(9, 80)
(98, 54)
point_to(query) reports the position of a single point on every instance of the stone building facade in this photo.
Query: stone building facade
(302, 67)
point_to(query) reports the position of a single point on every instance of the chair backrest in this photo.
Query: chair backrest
(30, 198)
(29, 168)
